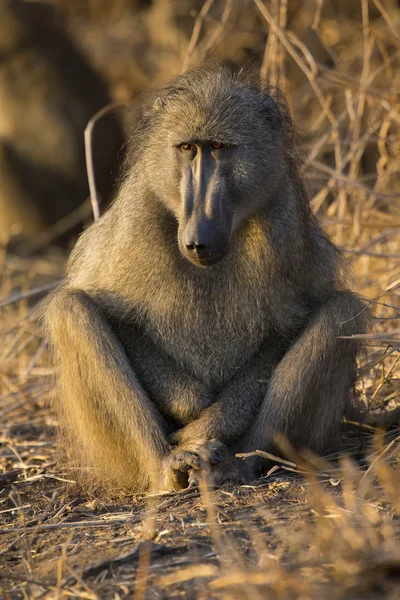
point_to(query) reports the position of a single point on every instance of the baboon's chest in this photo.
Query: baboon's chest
(209, 340)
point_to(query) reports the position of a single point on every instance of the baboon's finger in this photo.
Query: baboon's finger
(194, 478)
(185, 460)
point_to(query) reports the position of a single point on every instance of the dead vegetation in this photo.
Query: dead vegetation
(332, 534)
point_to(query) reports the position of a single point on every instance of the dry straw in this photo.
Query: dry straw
(331, 533)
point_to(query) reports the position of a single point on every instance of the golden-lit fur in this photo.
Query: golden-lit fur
(164, 365)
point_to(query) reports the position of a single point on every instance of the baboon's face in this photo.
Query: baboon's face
(206, 208)
(219, 165)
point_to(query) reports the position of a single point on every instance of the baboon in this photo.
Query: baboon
(205, 310)
(48, 93)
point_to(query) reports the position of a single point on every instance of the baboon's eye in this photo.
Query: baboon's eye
(186, 146)
(217, 145)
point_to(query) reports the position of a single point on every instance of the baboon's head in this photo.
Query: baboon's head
(215, 152)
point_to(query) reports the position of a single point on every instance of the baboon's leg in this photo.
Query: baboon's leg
(110, 422)
(176, 393)
(309, 389)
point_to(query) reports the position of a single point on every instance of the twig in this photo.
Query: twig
(70, 525)
(299, 61)
(129, 558)
(378, 458)
(196, 32)
(373, 254)
(62, 226)
(94, 198)
(387, 18)
(43, 289)
(268, 456)
(219, 29)
(353, 183)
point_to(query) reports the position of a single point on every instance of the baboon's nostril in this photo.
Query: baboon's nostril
(198, 248)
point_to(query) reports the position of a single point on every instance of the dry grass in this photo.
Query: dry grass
(331, 534)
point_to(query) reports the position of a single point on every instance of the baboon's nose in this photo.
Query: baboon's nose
(204, 245)
(199, 250)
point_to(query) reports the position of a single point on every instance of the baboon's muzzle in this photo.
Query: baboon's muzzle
(206, 217)
(204, 243)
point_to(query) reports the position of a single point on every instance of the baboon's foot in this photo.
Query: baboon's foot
(253, 467)
(227, 471)
(389, 419)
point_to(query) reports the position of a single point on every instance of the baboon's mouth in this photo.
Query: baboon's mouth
(208, 261)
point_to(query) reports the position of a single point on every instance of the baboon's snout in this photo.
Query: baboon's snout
(206, 218)
(204, 243)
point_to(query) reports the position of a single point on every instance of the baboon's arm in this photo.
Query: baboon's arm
(177, 394)
(236, 407)
(306, 395)
(309, 391)
(114, 428)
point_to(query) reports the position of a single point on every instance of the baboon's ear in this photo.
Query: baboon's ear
(272, 111)
(156, 105)
(166, 96)
(159, 103)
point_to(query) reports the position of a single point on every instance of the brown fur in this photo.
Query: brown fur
(164, 365)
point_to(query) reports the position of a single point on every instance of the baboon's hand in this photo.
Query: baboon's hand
(184, 461)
